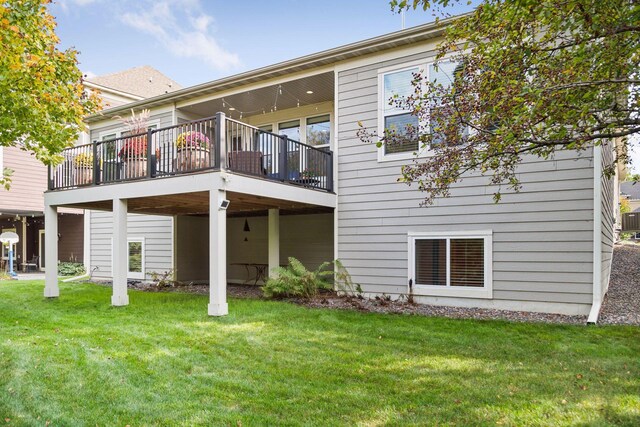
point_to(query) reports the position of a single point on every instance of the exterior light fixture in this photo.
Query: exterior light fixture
(309, 92)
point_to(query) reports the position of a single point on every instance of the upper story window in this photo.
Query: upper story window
(398, 83)
(319, 130)
(291, 129)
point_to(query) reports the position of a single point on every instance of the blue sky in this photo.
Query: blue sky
(194, 41)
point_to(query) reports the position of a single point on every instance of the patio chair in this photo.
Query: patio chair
(33, 264)
(249, 162)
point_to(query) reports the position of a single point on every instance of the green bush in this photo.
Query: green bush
(344, 284)
(70, 269)
(295, 280)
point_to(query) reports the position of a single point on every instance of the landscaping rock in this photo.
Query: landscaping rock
(621, 305)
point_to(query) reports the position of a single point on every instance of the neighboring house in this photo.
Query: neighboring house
(21, 211)
(279, 171)
(134, 84)
(21, 208)
(630, 190)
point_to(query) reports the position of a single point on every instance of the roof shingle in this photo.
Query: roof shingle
(144, 81)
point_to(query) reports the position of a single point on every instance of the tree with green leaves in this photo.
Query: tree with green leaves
(519, 78)
(42, 100)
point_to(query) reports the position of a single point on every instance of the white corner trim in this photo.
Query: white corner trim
(334, 148)
(485, 292)
(597, 235)
(1, 161)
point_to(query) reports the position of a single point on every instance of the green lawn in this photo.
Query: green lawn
(162, 361)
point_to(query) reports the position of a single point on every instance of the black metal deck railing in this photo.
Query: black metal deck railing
(215, 143)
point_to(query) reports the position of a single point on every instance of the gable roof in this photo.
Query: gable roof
(631, 189)
(143, 82)
(358, 49)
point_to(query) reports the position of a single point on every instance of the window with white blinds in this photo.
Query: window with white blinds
(451, 263)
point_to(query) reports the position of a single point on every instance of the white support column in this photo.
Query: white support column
(217, 255)
(24, 242)
(51, 289)
(120, 258)
(274, 239)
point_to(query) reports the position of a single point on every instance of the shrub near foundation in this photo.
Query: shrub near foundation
(295, 280)
(71, 269)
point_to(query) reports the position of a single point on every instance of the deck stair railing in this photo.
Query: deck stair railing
(216, 142)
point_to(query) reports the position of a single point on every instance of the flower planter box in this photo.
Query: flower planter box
(192, 158)
(135, 168)
(84, 175)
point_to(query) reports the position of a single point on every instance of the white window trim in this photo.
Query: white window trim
(142, 274)
(138, 276)
(118, 132)
(453, 291)
(423, 68)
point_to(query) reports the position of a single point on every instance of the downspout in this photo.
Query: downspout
(597, 235)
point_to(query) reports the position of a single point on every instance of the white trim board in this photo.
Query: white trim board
(485, 292)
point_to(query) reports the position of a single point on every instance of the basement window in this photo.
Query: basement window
(451, 264)
(135, 258)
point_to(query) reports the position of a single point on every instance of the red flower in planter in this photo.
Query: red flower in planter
(134, 148)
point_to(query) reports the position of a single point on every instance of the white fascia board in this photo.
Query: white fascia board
(259, 187)
(206, 181)
(128, 190)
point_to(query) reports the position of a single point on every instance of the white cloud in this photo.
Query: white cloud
(184, 29)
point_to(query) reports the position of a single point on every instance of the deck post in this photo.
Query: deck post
(120, 258)
(282, 158)
(51, 289)
(217, 254)
(274, 240)
(221, 140)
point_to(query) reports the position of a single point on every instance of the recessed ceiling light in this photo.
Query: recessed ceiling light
(232, 109)
(309, 92)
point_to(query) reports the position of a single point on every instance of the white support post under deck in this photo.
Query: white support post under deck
(120, 253)
(217, 254)
(274, 239)
(51, 289)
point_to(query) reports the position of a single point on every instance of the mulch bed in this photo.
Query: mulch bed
(621, 305)
(373, 305)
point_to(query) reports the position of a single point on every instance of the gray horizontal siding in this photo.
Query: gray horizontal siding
(542, 236)
(157, 232)
(608, 213)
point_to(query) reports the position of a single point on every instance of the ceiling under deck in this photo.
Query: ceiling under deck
(286, 95)
(198, 204)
